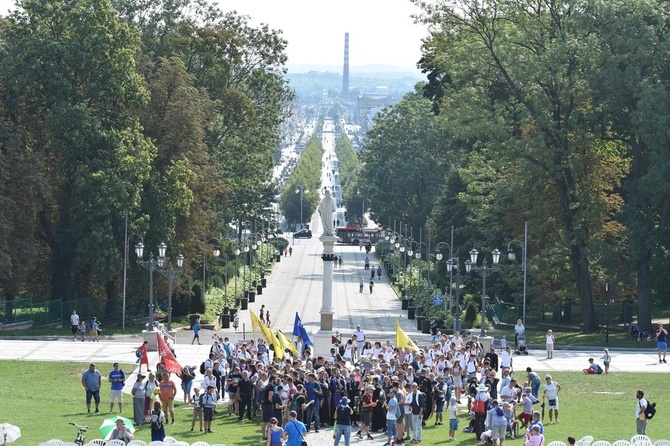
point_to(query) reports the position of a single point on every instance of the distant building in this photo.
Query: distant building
(345, 69)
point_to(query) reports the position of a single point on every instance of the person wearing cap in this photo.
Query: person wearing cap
(479, 408)
(117, 378)
(121, 432)
(367, 406)
(342, 416)
(139, 392)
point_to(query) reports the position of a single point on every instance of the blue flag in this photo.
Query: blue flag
(299, 330)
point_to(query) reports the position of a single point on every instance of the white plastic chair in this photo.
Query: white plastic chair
(200, 443)
(596, 443)
(116, 442)
(55, 442)
(640, 438)
(99, 442)
(557, 443)
(659, 442)
(180, 443)
(217, 444)
(169, 440)
(46, 443)
(156, 443)
(137, 443)
(586, 439)
(70, 444)
(622, 443)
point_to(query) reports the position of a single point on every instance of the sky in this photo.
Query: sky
(380, 31)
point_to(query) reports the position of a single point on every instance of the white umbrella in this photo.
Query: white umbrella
(12, 432)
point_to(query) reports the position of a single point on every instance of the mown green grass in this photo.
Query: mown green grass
(43, 397)
(577, 339)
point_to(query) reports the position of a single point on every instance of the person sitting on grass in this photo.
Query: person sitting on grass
(593, 369)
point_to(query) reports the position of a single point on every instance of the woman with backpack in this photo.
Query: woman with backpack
(157, 423)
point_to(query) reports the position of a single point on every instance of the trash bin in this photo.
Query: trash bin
(233, 312)
(405, 303)
(278, 257)
(226, 309)
(410, 312)
(425, 326)
(245, 303)
(264, 282)
(252, 297)
(246, 294)
(259, 289)
(419, 322)
(225, 321)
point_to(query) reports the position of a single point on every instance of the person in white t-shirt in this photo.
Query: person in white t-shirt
(551, 389)
(74, 321)
(640, 419)
(360, 338)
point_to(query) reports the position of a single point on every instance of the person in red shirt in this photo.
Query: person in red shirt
(143, 356)
(167, 393)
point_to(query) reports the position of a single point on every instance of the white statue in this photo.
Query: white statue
(326, 209)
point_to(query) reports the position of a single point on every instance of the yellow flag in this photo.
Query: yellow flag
(278, 349)
(256, 324)
(286, 344)
(402, 340)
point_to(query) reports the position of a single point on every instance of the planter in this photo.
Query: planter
(252, 297)
(405, 303)
(278, 257)
(264, 282)
(226, 310)
(403, 292)
(259, 289)
(425, 326)
(419, 322)
(246, 294)
(225, 321)
(410, 312)
(245, 303)
(262, 273)
(233, 312)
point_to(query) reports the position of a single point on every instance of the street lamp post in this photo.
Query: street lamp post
(454, 265)
(524, 257)
(439, 257)
(158, 265)
(301, 190)
(216, 252)
(484, 270)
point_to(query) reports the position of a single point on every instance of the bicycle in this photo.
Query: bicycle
(80, 433)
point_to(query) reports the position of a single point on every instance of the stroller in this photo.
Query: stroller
(521, 346)
(637, 334)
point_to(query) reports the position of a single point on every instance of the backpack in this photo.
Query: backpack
(138, 353)
(202, 368)
(294, 404)
(155, 421)
(599, 370)
(650, 411)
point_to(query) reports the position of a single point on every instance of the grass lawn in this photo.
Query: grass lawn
(42, 398)
(577, 339)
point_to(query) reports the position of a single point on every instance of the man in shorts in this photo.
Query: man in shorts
(209, 403)
(117, 378)
(74, 322)
(91, 380)
(661, 343)
(168, 390)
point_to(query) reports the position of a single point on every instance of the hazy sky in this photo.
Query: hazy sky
(380, 31)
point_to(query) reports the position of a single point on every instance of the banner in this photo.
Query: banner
(267, 334)
(299, 330)
(285, 343)
(402, 340)
(171, 364)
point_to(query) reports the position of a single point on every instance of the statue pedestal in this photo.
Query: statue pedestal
(328, 257)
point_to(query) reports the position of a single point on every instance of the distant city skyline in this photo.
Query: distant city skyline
(381, 32)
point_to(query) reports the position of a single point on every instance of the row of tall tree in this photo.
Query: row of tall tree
(166, 112)
(552, 112)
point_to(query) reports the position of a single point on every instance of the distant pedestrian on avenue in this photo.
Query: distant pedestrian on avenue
(662, 343)
(379, 271)
(91, 380)
(372, 285)
(339, 261)
(74, 322)
(360, 286)
(196, 331)
(261, 314)
(550, 344)
(372, 273)
(290, 252)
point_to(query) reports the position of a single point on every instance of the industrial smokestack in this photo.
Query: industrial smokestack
(345, 70)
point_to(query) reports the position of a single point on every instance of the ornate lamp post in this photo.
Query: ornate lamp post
(483, 271)
(524, 264)
(302, 191)
(453, 265)
(216, 252)
(159, 265)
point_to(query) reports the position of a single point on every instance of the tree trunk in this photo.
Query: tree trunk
(644, 291)
(580, 269)
(63, 253)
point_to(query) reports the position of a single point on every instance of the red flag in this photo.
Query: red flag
(171, 364)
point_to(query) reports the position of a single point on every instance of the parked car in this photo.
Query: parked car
(303, 233)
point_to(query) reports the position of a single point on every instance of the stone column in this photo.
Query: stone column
(327, 309)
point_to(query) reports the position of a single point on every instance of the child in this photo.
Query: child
(267, 318)
(503, 343)
(82, 330)
(606, 360)
(197, 409)
(453, 418)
